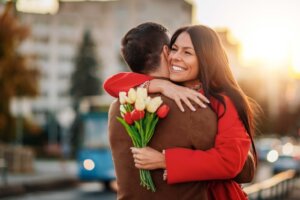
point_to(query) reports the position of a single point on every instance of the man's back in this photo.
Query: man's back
(194, 130)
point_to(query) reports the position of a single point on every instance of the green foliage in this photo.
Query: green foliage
(85, 79)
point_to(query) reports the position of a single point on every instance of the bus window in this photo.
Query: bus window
(95, 130)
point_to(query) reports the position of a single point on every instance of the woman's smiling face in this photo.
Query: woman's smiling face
(183, 60)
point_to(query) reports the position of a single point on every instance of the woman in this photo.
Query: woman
(198, 60)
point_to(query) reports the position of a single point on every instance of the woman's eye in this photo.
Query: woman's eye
(173, 49)
(188, 53)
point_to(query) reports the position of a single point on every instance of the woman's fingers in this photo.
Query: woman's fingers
(188, 103)
(187, 98)
(136, 161)
(202, 97)
(179, 104)
(138, 153)
(140, 162)
(198, 101)
(183, 94)
(148, 158)
(136, 157)
(187, 95)
(141, 166)
(135, 150)
(198, 98)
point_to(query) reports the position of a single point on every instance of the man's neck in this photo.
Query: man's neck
(158, 74)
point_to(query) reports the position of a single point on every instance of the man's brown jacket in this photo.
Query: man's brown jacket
(194, 130)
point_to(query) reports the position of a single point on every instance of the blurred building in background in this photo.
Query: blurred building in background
(232, 47)
(55, 39)
(241, 73)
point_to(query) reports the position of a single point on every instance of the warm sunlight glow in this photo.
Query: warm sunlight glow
(296, 64)
(267, 45)
(296, 59)
(38, 6)
(294, 67)
(267, 30)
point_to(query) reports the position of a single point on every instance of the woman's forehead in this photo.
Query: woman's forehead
(184, 41)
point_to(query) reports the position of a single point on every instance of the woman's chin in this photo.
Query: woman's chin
(177, 78)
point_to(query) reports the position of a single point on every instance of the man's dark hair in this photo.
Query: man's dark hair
(142, 46)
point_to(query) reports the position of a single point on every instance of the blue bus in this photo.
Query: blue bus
(94, 156)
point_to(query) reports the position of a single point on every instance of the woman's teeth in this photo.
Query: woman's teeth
(176, 68)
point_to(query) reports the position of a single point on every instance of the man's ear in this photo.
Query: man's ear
(166, 51)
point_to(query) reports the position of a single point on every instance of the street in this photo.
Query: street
(93, 191)
(67, 195)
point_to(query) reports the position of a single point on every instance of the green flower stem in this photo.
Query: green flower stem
(142, 178)
(128, 107)
(150, 184)
(146, 180)
(141, 133)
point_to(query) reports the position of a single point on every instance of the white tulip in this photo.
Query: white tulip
(122, 110)
(141, 93)
(122, 97)
(147, 101)
(131, 96)
(139, 103)
(154, 104)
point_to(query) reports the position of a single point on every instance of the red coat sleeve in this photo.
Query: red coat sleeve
(224, 161)
(123, 82)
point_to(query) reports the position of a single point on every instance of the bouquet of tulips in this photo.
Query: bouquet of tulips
(140, 114)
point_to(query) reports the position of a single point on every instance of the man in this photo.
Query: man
(145, 49)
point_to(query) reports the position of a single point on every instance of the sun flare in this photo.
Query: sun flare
(294, 68)
(267, 30)
(296, 65)
(268, 45)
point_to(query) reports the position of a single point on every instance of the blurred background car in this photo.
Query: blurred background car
(286, 162)
(269, 147)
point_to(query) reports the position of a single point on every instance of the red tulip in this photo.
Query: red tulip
(127, 118)
(163, 111)
(137, 114)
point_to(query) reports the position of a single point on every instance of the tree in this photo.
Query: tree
(85, 79)
(17, 78)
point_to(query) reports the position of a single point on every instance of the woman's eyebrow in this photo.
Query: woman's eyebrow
(184, 47)
(188, 47)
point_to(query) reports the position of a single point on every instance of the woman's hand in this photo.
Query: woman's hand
(148, 158)
(178, 93)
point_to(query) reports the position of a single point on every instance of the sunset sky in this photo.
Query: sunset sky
(269, 30)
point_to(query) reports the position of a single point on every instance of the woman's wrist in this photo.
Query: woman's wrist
(156, 85)
(163, 160)
(146, 85)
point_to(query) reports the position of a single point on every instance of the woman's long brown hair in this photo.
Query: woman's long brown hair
(216, 76)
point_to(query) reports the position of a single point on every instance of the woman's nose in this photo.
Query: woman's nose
(176, 56)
